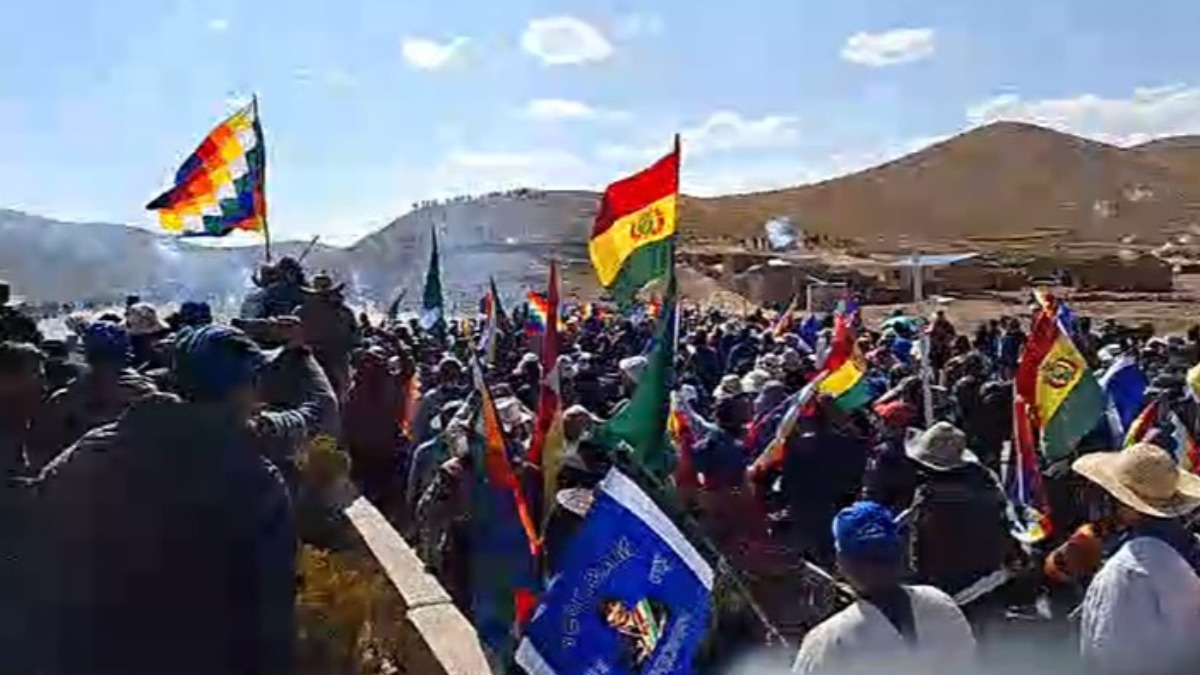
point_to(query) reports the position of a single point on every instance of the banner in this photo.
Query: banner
(634, 597)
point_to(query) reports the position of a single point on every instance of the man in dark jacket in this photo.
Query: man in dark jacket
(960, 533)
(822, 473)
(168, 541)
(96, 398)
(15, 325)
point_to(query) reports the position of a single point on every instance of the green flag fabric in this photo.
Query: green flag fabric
(642, 423)
(432, 310)
(501, 319)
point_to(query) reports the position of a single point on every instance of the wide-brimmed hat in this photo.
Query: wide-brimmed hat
(142, 319)
(322, 284)
(941, 447)
(729, 387)
(754, 381)
(512, 412)
(1143, 477)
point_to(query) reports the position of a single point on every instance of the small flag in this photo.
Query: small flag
(846, 369)
(546, 446)
(490, 337)
(799, 405)
(432, 306)
(1142, 425)
(221, 186)
(1125, 386)
(1029, 504)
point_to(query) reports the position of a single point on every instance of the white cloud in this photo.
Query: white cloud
(567, 109)
(728, 130)
(425, 54)
(638, 25)
(564, 40)
(889, 48)
(722, 131)
(218, 24)
(1146, 114)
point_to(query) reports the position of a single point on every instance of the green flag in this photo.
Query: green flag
(642, 423)
(501, 319)
(432, 312)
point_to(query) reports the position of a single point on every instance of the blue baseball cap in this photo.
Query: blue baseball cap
(867, 531)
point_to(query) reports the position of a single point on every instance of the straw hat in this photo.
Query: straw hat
(942, 447)
(1143, 477)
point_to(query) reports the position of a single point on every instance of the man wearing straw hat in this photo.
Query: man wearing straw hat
(1141, 613)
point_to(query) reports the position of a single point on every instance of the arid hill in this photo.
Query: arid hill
(1005, 185)
(1177, 152)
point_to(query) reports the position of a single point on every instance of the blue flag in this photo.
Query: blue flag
(1125, 385)
(634, 596)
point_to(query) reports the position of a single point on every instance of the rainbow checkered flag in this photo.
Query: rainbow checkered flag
(221, 186)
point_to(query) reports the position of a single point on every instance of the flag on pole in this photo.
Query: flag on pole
(221, 187)
(798, 405)
(1125, 386)
(501, 317)
(546, 446)
(783, 322)
(490, 336)
(846, 369)
(1053, 377)
(432, 307)
(630, 244)
(1030, 506)
(642, 423)
(504, 543)
(634, 594)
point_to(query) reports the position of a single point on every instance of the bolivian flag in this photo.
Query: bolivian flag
(845, 369)
(631, 238)
(1066, 398)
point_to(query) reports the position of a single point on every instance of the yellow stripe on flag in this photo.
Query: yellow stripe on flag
(841, 380)
(611, 248)
(1060, 371)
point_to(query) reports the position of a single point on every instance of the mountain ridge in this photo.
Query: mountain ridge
(1002, 185)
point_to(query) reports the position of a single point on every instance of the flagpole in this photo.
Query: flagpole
(262, 179)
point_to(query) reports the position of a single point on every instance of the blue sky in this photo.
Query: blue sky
(369, 105)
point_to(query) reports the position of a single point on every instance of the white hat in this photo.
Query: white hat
(729, 387)
(142, 319)
(942, 447)
(754, 381)
(1143, 477)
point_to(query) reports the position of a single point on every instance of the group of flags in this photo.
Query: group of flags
(660, 590)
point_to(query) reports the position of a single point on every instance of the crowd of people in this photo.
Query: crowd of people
(162, 470)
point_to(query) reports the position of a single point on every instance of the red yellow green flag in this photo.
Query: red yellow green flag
(1053, 376)
(630, 242)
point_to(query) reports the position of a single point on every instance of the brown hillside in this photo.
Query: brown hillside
(1005, 185)
(1177, 152)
